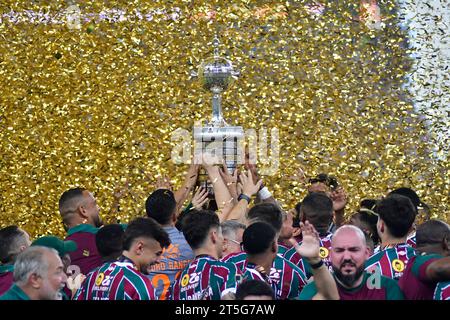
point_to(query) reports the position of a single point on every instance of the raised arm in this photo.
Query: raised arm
(221, 193)
(188, 185)
(309, 250)
(249, 188)
(439, 270)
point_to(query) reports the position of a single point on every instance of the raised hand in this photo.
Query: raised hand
(339, 198)
(229, 179)
(249, 187)
(310, 247)
(200, 198)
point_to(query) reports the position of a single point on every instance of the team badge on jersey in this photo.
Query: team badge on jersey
(86, 253)
(185, 280)
(398, 265)
(99, 279)
(323, 252)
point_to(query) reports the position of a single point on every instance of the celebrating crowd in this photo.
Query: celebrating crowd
(234, 243)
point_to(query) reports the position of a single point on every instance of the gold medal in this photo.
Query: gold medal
(398, 265)
(323, 252)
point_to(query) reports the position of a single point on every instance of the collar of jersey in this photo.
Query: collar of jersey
(6, 268)
(394, 245)
(207, 256)
(82, 228)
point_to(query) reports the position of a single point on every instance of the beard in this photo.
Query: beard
(348, 279)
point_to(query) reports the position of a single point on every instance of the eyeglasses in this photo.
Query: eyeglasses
(234, 241)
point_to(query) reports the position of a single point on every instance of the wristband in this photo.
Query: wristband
(317, 265)
(243, 196)
(264, 193)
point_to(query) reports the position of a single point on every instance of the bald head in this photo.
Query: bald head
(355, 234)
(349, 253)
(433, 236)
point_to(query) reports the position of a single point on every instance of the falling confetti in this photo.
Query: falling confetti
(95, 104)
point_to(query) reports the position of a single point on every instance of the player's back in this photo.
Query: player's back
(205, 278)
(391, 260)
(173, 260)
(119, 280)
(86, 257)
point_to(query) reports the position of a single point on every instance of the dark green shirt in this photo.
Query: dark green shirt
(388, 290)
(15, 293)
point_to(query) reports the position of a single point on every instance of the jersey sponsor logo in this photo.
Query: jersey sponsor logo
(398, 265)
(275, 274)
(323, 252)
(99, 279)
(192, 279)
(185, 280)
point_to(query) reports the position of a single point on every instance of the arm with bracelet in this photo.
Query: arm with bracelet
(249, 188)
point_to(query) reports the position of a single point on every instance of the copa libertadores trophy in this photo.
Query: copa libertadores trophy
(216, 136)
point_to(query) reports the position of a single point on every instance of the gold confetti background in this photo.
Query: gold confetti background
(96, 107)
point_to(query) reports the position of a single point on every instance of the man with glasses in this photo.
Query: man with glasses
(205, 277)
(232, 231)
(283, 272)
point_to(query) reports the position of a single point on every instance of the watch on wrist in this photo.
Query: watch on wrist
(244, 196)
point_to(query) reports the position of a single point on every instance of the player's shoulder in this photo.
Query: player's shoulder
(285, 264)
(376, 257)
(290, 253)
(132, 274)
(222, 264)
(235, 257)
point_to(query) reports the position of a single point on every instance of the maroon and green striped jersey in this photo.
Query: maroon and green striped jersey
(391, 260)
(205, 278)
(411, 240)
(119, 280)
(414, 282)
(442, 291)
(325, 247)
(288, 278)
(282, 248)
(388, 290)
(286, 282)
